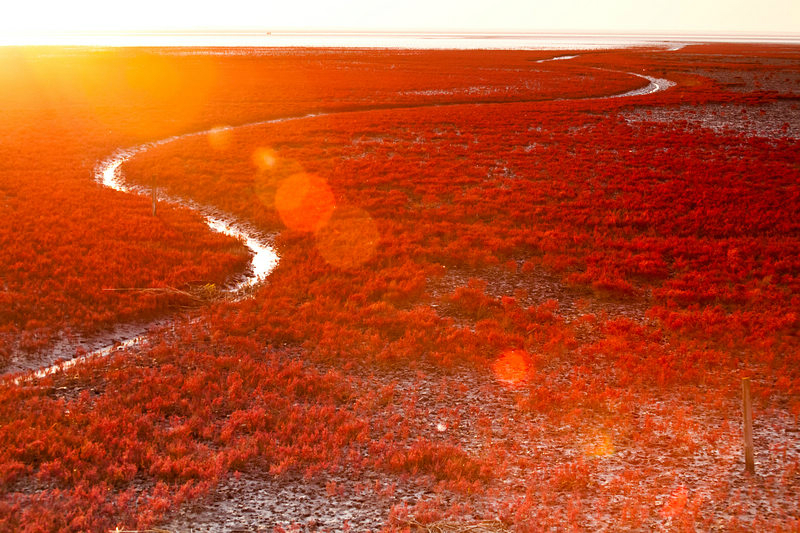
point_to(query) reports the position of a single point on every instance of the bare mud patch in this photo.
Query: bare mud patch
(773, 120)
(782, 80)
(250, 503)
(686, 459)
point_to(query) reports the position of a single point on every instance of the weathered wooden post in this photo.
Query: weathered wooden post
(747, 413)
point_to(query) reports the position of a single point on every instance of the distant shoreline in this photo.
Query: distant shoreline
(400, 40)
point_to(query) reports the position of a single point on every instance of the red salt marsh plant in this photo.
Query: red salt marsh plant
(65, 110)
(691, 233)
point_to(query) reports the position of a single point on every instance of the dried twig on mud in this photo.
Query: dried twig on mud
(118, 530)
(200, 293)
(485, 526)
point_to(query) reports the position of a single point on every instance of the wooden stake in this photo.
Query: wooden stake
(747, 413)
(155, 199)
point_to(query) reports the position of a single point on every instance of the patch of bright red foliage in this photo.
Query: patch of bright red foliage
(431, 230)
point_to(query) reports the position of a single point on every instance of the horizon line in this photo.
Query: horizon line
(343, 32)
(444, 39)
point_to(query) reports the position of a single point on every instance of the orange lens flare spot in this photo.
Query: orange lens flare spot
(512, 367)
(264, 158)
(304, 202)
(219, 138)
(601, 446)
(349, 238)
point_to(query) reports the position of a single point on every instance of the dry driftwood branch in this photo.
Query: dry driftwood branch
(201, 293)
(118, 530)
(485, 526)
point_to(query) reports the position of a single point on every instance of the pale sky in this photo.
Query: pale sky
(764, 17)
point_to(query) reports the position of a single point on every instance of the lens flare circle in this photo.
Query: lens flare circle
(349, 238)
(602, 445)
(219, 138)
(512, 367)
(304, 202)
(264, 158)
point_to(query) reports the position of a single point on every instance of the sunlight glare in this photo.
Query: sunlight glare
(264, 158)
(219, 138)
(512, 367)
(602, 445)
(125, 92)
(304, 202)
(349, 238)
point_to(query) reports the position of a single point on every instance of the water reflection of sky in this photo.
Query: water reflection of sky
(348, 40)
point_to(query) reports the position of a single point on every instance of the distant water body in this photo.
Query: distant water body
(462, 41)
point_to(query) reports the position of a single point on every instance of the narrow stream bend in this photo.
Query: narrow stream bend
(264, 258)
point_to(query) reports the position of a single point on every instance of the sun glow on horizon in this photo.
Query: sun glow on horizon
(45, 21)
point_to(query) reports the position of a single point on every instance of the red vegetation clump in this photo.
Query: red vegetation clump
(92, 102)
(607, 204)
(169, 423)
(475, 215)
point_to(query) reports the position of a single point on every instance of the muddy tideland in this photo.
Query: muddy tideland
(517, 289)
